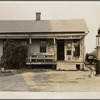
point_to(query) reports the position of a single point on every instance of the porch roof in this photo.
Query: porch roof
(72, 25)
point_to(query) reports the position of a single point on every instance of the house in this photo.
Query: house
(50, 42)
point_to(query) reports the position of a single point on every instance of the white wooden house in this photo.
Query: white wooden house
(50, 42)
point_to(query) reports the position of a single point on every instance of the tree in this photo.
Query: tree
(14, 55)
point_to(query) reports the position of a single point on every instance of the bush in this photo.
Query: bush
(14, 55)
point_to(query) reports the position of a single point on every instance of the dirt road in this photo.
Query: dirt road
(50, 81)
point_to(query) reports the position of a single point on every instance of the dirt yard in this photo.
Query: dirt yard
(49, 81)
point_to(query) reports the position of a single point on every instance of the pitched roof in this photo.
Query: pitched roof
(74, 25)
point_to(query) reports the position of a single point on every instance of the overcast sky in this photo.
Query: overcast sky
(90, 11)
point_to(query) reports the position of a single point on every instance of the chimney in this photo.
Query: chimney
(98, 30)
(38, 15)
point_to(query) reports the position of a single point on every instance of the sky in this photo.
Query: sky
(88, 10)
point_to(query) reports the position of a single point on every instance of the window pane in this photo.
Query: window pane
(77, 51)
(68, 52)
(43, 46)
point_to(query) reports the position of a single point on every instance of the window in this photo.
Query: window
(42, 45)
(69, 44)
(68, 52)
(76, 53)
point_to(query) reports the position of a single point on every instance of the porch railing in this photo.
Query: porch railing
(41, 58)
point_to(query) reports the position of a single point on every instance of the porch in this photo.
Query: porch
(41, 52)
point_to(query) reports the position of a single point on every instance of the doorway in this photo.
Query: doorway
(60, 49)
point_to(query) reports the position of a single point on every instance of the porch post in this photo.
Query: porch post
(54, 49)
(30, 42)
(83, 51)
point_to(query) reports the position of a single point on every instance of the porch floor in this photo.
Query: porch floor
(41, 63)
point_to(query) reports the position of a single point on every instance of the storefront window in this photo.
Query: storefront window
(76, 52)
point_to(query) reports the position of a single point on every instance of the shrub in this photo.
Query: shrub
(14, 55)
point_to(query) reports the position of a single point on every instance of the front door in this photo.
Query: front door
(60, 49)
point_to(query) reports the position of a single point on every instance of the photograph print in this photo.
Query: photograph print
(50, 46)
